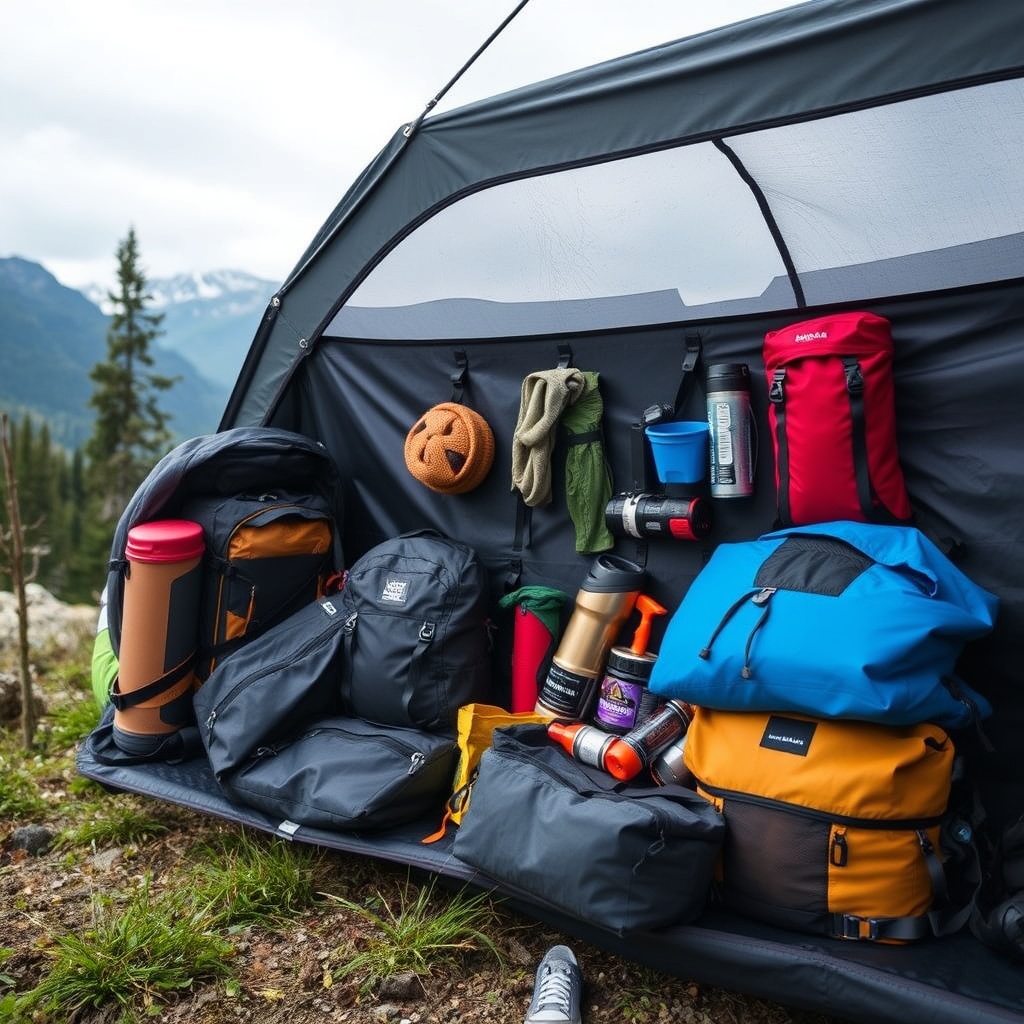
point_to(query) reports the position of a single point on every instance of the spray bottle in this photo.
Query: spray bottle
(586, 743)
(623, 700)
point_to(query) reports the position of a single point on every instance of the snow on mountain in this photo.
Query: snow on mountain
(222, 292)
(210, 317)
(232, 288)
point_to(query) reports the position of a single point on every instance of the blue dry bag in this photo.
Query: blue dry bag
(839, 620)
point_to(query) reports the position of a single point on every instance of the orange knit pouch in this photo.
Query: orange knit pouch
(450, 448)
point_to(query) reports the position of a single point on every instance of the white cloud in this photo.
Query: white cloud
(225, 131)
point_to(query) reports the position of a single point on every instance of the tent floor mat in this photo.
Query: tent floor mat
(953, 980)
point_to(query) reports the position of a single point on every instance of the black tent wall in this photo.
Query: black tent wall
(959, 375)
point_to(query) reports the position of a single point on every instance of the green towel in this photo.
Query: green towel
(588, 478)
(545, 602)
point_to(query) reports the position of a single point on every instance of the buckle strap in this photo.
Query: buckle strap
(121, 700)
(874, 929)
(777, 397)
(855, 389)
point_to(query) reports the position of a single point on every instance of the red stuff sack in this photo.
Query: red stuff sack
(832, 415)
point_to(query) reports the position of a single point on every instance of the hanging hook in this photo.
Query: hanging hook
(458, 375)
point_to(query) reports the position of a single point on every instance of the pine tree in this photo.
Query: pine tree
(12, 542)
(130, 432)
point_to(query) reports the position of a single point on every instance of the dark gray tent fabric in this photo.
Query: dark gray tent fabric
(816, 59)
(857, 155)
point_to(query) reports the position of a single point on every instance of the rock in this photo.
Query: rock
(401, 987)
(33, 839)
(52, 625)
(10, 699)
(106, 859)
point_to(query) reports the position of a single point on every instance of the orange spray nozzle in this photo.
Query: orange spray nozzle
(648, 608)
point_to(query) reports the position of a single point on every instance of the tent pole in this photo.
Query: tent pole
(413, 125)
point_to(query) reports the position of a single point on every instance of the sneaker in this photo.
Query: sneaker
(556, 991)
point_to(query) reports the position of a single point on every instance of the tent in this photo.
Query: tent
(837, 154)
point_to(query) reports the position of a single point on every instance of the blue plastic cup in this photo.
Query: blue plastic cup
(680, 450)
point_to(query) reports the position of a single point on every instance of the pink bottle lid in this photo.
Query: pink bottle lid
(165, 540)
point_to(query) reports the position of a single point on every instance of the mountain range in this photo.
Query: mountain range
(52, 335)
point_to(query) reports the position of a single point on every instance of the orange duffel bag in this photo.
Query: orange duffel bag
(834, 827)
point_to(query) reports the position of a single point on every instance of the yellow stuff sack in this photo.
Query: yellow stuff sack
(475, 726)
(832, 826)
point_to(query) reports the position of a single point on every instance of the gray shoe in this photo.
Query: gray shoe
(556, 991)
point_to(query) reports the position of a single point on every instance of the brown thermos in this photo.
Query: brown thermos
(603, 604)
(152, 695)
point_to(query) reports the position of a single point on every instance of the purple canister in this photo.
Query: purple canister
(623, 699)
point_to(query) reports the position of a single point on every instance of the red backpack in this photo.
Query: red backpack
(833, 420)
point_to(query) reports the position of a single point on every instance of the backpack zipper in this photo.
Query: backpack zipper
(261, 672)
(887, 824)
(759, 597)
(417, 759)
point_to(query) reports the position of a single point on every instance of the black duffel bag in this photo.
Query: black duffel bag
(619, 855)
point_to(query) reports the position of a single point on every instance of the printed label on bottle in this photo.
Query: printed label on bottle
(565, 692)
(590, 745)
(617, 703)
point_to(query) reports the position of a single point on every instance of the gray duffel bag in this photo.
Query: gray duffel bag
(618, 855)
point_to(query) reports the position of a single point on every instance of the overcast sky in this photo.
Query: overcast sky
(224, 131)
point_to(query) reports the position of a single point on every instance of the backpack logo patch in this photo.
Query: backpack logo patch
(789, 735)
(395, 591)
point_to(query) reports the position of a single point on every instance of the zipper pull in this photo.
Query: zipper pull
(427, 631)
(348, 627)
(839, 852)
(211, 718)
(416, 762)
(763, 595)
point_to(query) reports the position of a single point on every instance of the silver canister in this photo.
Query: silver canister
(668, 769)
(731, 426)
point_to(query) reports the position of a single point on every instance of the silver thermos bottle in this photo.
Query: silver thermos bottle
(731, 425)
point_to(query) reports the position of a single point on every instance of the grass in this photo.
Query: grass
(70, 722)
(637, 999)
(6, 980)
(245, 880)
(19, 791)
(422, 933)
(144, 949)
(135, 955)
(118, 823)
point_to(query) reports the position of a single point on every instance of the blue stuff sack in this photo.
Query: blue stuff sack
(839, 620)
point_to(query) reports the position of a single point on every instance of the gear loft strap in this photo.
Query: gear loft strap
(639, 458)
